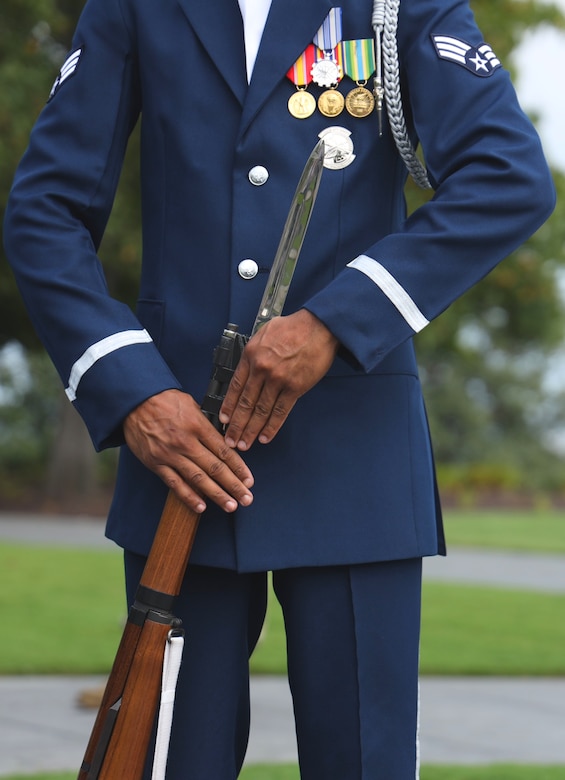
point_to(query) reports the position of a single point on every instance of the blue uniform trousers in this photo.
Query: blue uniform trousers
(352, 641)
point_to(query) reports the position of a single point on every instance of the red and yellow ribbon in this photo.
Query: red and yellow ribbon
(300, 73)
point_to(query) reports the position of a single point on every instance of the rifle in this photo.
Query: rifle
(120, 738)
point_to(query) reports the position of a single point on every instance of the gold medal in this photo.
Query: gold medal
(301, 104)
(359, 63)
(331, 102)
(360, 102)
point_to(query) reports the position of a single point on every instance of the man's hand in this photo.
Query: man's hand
(171, 436)
(282, 361)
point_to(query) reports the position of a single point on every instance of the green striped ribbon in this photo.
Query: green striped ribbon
(359, 58)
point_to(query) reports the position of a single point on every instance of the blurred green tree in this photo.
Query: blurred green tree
(484, 361)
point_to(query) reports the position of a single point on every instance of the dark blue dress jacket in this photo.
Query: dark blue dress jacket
(350, 478)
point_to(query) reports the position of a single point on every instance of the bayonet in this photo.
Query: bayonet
(292, 238)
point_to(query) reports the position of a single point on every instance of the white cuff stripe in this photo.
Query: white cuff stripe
(99, 350)
(397, 295)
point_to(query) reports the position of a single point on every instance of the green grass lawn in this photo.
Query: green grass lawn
(496, 772)
(483, 631)
(65, 611)
(65, 608)
(500, 772)
(290, 772)
(535, 531)
(62, 610)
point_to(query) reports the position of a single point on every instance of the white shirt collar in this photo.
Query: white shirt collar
(254, 13)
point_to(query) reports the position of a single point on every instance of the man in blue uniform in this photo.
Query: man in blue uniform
(325, 475)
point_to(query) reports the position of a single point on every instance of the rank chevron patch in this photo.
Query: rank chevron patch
(480, 60)
(67, 70)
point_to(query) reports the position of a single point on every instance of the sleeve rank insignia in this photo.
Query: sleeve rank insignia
(480, 60)
(67, 70)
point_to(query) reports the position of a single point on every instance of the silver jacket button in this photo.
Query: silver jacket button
(248, 269)
(258, 175)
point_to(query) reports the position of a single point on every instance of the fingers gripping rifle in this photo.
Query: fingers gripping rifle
(122, 732)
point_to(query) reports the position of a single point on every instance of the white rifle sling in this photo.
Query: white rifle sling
(171, 666)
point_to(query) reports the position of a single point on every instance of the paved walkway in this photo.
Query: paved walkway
(464, 720)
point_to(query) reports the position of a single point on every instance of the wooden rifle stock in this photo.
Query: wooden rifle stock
(122, 731)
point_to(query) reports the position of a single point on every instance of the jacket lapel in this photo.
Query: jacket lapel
(290, 27)
(219, 26)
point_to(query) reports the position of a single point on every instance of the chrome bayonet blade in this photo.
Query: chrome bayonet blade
(292, 238)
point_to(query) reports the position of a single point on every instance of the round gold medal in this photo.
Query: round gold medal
(360, 102)
(331, 102)
(301, 104)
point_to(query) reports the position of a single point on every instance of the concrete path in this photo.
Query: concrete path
(520, 570)
(463, 720)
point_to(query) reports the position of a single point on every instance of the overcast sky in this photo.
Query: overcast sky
(541, 65)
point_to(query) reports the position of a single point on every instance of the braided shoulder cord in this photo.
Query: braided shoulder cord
(385, 25)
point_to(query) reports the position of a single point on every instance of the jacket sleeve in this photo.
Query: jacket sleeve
(57, 212)
(492, 187)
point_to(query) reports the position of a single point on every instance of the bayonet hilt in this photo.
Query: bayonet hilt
(226, 357)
